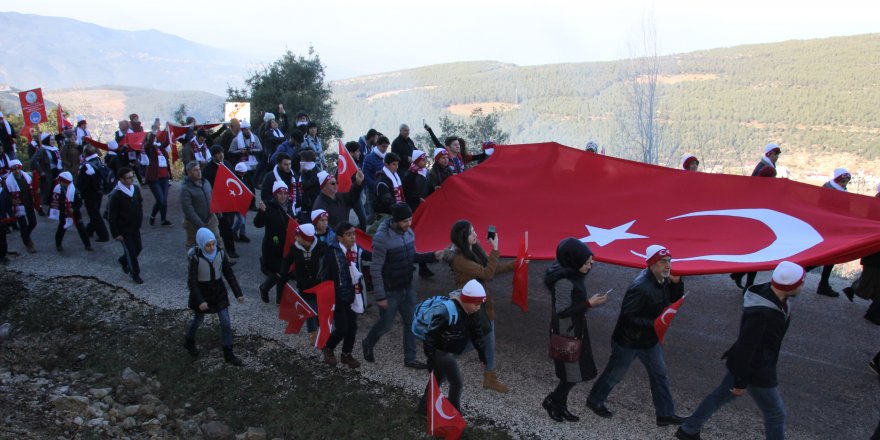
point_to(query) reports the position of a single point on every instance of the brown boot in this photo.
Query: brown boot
(349, 360)
(329, 357)
(490, 382)
(312, 337)
(30, 247)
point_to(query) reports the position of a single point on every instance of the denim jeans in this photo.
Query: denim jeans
(488, 347)
(360, 212)
(399, 301)
(768, 400)
(225, 326)
(621, 359)
(159, 188)
(240, 225)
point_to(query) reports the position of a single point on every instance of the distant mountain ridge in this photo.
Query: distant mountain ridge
(54, 53)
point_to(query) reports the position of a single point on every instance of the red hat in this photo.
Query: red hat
(473, 293)
(655, 253)
(687, 160)
(788, 276)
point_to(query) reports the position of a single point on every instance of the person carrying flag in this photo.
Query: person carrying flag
(634, 336)
(273, 215)
(448, 337)
(751, 361)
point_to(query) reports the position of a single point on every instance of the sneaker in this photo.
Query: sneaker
(681, 435)
(167, 223)
(416, 365)
(369, 356)
(826, 290)
(137, 279)
(670, 420)
(600, 410)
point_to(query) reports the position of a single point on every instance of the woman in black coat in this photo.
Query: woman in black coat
(208, 266)
(273, 216)
(565, 280)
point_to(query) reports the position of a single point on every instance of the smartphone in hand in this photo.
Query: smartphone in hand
(491, 233)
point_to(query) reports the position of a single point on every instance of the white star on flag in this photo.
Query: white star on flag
(602, 236)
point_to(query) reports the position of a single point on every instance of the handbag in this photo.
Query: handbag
(565, 348)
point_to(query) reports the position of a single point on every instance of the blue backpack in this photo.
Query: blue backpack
(425, 312)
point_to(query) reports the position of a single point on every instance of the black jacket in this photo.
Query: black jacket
(308, 264)
(274, 219)
(210, 171)
(337, 269)
(338, 208)
(90, 184)
(125, 213)
(415, 188)
(385, 197)
(752, 358)
(453, 338)
(643, 302)
(403, 148)
(206, 283)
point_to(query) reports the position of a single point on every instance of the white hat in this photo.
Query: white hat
(268, 117)
(770, 148)
(66, 176)
(323, 176)
(440, 152)
(473, 293)
(416, 155)
(838, 172)
(788, 276)
(1, 114)
(43, 136)
(241, 167)
(655, 252)
(15, 163)
(279, 186)
(686, 160)
(245, 124)
(113, 145)
(318, 213)
(306, 232)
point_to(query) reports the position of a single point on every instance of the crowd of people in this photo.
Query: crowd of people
(285, 167)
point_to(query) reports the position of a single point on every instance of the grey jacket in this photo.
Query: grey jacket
(394, 253)
(196, 202)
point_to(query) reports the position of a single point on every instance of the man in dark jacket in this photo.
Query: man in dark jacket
(448, 337)
(273, 215)
(389, 186)
(125, 218)
(394, 253)
(751, 361)
(338, 205)
(344, 266)
(634, 336)
(403, 146)
(195, 200)
(89, 183)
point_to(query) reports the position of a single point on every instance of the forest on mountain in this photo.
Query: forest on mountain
(815, 97)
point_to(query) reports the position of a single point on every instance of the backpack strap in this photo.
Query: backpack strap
(452, 311)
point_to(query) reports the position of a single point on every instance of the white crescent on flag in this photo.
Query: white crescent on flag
(438, 406)
(670, 312)
(237, 185)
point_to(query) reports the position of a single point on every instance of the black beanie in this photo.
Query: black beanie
(400, 212)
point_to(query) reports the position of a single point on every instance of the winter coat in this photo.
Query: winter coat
(205, 281)
(308, 265)
(339, 207)
(454, 338)
(274, 219)
(437, 176)
(415, 189)
(394, 253)
(125, 213)
(372, 168)
(643, 302)
(337, 269)
(209, 173)
(385, 197)
(153, 172)
(90, 184)
(196, 201)
(314, 144)
(764, 170)
(403, 147)
(464, 269)
(752, 358)
(569, 318)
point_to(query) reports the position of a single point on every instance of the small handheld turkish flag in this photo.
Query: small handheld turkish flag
(364, 240)
(326, 294)
(520, 294)
(443, 419)
(135, 141)
(63, 123)
(662, 323)
(345, 169)
(229, 193)
(294, 309)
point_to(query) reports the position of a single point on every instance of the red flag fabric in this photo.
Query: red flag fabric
(363, 240)
(326, 294)
(294, 309)
(291, 236)
(520, 294)
(712, 223)
(96, 144)
(135, 141)
(63, 123)
(32, 106)
(662, 323)
(345, 169)
(229, 194)
(443, 419)
(25, 131)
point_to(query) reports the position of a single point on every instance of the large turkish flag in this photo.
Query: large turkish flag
(229, 194)
(711, 223)
(345, 169)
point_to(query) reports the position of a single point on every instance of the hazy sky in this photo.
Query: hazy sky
(362, 37)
